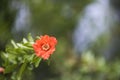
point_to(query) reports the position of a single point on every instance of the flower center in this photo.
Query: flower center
(45, 47)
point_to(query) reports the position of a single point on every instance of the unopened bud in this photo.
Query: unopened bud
(1, 70)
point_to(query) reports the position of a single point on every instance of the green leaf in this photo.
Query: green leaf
(25, 40)
(12, 58)
(31, 57)
(14, 44)
(23, 46)
(30, 38)
(4, 56)
(22, 69)
(36, 61)
(10, 68)
(38, 37)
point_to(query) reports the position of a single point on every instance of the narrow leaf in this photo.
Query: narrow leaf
(14, 44)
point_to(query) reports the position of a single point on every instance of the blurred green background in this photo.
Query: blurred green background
(59, 18)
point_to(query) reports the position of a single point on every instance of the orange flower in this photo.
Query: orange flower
(45, 46)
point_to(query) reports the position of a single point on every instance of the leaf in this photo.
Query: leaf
(12, 58)
(10, 68)
(36, 61)
(14, 44)
(24, 40)
(30, 38)
(31, 57)
(38, 37)
(22, 69)
(23, 46)
(4, 56)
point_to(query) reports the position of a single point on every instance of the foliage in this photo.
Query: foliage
(88, 67)
(17, 58)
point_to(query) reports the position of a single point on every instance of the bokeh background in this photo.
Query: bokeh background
(88, 34)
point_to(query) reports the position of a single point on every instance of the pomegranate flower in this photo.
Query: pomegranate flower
(45, 46)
